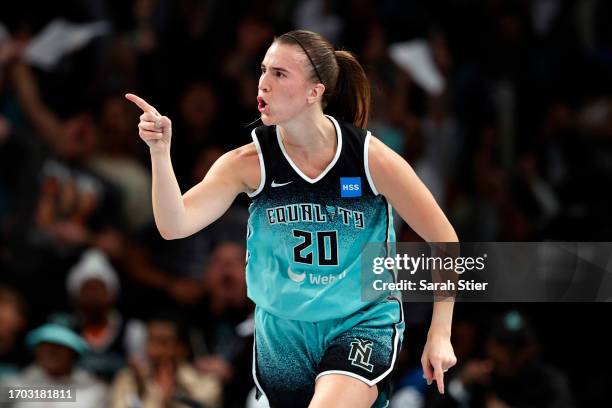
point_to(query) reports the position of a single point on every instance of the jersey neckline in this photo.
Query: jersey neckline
(329, 166)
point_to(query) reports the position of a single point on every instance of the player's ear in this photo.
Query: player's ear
(316, 92)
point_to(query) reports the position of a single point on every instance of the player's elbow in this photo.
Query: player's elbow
(167, 235)
(170, 234)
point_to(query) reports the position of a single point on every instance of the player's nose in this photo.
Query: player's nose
(264, 84)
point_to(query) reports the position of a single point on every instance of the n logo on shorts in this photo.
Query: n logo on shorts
(361, 351)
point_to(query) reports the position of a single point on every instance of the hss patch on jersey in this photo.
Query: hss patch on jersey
(350, 186)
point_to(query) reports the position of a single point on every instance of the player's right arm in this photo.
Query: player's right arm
(178, 215)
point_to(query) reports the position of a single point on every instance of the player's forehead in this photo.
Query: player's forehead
(288, 57)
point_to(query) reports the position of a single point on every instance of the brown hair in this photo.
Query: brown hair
(347, 90)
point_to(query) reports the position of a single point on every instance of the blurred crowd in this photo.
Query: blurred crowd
(516, 145)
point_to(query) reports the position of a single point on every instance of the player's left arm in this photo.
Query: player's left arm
(395, 179)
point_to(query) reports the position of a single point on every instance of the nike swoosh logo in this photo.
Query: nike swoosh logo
(296, 277)
(275, 184)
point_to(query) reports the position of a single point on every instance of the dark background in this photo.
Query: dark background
(518, 147)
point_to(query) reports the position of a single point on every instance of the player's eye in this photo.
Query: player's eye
(280, 74)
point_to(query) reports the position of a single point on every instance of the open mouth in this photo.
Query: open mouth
(262, 105)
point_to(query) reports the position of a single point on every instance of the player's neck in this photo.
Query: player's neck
(308, 133)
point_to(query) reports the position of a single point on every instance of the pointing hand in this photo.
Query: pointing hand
(154, 129)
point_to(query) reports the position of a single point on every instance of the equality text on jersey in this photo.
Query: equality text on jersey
(315, 213)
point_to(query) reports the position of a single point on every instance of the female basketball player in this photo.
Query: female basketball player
(320, 186)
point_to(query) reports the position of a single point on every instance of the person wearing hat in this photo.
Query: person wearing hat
(93, 286)
(56, 351)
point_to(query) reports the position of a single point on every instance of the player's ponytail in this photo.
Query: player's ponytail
(347, 90)
(351, 97)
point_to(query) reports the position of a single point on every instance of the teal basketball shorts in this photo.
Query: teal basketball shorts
(290, 355)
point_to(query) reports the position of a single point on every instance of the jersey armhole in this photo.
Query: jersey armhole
(366, 166)
(262, 167)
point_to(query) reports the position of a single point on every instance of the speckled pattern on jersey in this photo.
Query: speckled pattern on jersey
(290, 355)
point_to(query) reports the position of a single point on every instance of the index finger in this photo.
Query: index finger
(439, 374)
(141, 103)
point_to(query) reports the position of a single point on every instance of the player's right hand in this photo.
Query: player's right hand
(154, 128)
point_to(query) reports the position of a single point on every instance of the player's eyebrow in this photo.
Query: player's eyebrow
(276, 68)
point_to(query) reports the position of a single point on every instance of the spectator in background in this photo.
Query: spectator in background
(166, 378)
(93, 287)
(242, 62)
(57, 349)
(479, 216)
(568, 157)
(226, 347)
(510, 375)
(225, 280)
(115, 159)
(318, 16)
(197, 126)
(518, 376)
(13, 150)
(13, 321)
(441, 145)
(390, 90)
(67, 206)
(171, 271)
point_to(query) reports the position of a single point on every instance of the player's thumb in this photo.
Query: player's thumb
(165, 124)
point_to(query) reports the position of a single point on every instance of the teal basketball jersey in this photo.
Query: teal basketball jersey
(305, 236)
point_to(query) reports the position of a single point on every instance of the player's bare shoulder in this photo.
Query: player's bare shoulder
(381, 156)
(245, 162)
